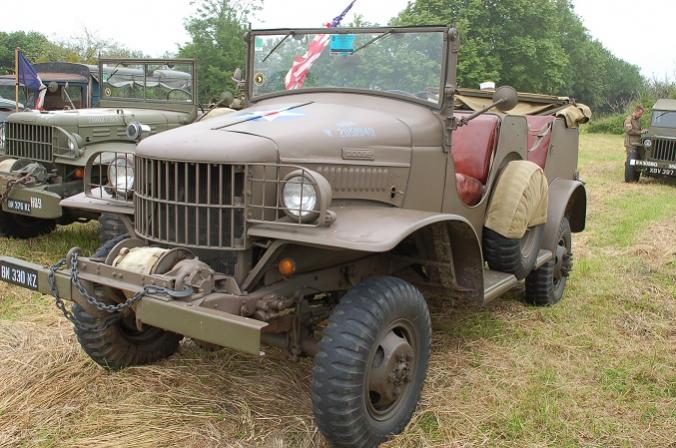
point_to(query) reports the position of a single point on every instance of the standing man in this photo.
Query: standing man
(632, 130)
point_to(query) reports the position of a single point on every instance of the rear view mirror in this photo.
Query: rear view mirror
(505, 98)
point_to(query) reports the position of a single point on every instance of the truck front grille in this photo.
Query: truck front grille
(664, 150)
(29, 141)
(198, 205)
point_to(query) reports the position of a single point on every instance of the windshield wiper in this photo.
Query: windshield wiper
(114, 70)
(279, 44)
(372, 41)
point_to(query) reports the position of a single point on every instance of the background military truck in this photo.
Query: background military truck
(313, 220)
(44, 153)
(656, 157)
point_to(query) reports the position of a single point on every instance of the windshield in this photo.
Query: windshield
(664, 119)
(148, 81)
(408, 63)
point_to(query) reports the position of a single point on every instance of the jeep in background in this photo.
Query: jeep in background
(656, 157)
(314, 219)
(44, 153)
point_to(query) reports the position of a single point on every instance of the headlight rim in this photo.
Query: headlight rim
(648, 143)
(114, 186)
(310, 215)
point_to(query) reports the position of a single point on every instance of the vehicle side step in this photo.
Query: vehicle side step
(543, 257)
(497, 283)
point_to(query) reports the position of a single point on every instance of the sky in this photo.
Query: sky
(636, 31)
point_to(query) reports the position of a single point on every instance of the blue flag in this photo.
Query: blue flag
(27, 74)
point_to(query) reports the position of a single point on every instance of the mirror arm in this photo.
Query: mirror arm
(464, 120)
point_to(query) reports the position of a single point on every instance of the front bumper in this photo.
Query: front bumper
(32, 201)
(184, 316)
(654, 168)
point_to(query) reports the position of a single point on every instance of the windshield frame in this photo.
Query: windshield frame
(251, 40)
(660, 112)
(112, 62)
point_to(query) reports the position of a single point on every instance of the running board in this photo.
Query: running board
(497, 283)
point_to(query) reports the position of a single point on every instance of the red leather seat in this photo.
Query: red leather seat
(472, 151)
(539, 138)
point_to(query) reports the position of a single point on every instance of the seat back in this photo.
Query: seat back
(473, 146)
(539, 138)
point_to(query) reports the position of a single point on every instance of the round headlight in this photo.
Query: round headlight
(71, 145)
(647, 143)
(2, 134)
(300, 198)
(121, 174)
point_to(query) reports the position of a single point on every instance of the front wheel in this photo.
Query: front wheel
(115, 341)
(17, 226)
(631, 174)
(371, 364)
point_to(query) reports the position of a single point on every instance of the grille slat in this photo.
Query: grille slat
(202, 202)
(29, 141)
(664, 150)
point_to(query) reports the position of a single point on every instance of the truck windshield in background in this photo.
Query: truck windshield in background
(664, 119)
(148, 82)
(405, 63)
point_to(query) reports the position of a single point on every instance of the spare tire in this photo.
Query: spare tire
(512, 255)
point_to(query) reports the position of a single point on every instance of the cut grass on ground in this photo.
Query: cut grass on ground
(599, 369)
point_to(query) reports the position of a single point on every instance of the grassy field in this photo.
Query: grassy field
(599, 369)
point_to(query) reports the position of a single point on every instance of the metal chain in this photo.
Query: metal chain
(11, 184)
(113, 310)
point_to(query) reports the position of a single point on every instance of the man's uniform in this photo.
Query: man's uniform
(632, 133)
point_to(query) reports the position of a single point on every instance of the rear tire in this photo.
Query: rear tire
(23, 227)
(631, 174)
(372, 363)
(514, 256)
(545, 286)
(110, 227)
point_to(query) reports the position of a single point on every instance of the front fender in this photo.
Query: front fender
(566, 198)
(365, 229)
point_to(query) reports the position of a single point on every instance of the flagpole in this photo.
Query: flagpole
(16, 73)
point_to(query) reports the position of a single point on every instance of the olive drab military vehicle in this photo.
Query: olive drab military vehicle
(315, 218)
(44, 153)
(656, 155)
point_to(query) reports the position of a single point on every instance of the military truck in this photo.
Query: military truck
(358, 177)
(44, 153)
(656, 157)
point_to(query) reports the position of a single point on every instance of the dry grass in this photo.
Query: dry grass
(596, 370)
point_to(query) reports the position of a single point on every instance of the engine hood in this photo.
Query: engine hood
(97, 117)
(307, 129)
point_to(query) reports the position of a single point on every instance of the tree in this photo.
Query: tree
(217, 30)
(534, 45)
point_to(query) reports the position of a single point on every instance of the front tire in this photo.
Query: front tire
(514, 256)
(631, 174)
(545, 286)
(24, 227)
(372, 363)
(110, 227)
(113, 340)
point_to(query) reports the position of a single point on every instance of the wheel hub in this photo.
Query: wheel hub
(391, 371)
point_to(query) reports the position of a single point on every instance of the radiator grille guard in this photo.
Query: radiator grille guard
(208, 205)
(29, 141)
(663, 150)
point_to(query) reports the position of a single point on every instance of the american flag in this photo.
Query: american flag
(301, 64)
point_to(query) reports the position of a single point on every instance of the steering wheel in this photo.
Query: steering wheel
(188, 94)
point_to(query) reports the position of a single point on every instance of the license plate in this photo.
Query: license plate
(661, 172)
(18, 206)
(17, 275)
